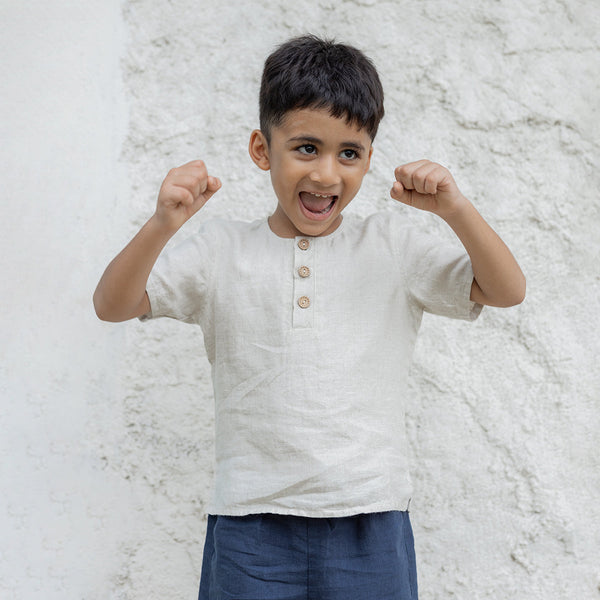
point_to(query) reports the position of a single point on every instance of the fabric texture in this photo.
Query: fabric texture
(267, 557)
(310, 341)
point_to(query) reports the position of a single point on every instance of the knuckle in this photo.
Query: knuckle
(180, 194)
(200, 166)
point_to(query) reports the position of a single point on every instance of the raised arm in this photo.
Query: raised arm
(498, 279)
(121, 292)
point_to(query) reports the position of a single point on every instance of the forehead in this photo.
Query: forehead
(319, 123)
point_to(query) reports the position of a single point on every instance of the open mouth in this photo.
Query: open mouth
(317, 206)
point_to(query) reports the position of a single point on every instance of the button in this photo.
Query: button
(303, 244)
(304, 271)
(303, 302)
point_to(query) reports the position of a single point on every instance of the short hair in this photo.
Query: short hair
(310, 72)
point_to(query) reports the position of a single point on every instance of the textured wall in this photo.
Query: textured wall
(106, 447)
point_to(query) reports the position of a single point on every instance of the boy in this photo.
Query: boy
(309, 320)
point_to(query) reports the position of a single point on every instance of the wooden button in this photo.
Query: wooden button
(303, 302)
(304, 271)
(303, 244)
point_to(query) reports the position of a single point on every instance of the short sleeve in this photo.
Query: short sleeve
(439, 276)
(178, 284)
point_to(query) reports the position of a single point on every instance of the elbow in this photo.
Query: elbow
(522, 290)
(514, 301)
(103, 317)
(103, 311)
(510, 296)
(100, 310)
(518, 293)
(107, 309)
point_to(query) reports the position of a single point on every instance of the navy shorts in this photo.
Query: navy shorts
(268, 557)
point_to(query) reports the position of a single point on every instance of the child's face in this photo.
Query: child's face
(317, 165)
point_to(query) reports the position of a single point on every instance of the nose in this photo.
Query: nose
(326, 171)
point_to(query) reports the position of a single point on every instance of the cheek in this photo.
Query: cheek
(283, 183)
(357, 180)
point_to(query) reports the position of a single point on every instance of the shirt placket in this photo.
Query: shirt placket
(304, 283)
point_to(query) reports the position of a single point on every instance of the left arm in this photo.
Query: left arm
(498, 279)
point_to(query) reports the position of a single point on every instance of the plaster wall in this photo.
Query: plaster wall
(106, 445)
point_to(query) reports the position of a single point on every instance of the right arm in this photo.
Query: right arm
(121, 292)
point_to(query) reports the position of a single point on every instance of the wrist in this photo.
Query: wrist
(460, 210)
(160, 229)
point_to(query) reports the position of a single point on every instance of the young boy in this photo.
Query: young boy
(309, 320)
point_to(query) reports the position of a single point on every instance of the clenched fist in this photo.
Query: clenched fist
(428, 186)
(185, 190)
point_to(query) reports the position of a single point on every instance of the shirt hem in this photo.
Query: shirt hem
(400, 505)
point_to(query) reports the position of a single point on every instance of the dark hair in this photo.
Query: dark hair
(310, 72)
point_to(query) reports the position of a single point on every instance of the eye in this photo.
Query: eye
(350, 154)
(307, 149)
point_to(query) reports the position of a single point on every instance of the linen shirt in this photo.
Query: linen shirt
(310, 341)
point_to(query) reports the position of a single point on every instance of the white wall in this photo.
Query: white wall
(106, 430)
(62, 512)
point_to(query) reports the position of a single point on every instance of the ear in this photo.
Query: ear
(258, 149)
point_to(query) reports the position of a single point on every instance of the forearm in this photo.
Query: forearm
(121, 292)
(499, 280)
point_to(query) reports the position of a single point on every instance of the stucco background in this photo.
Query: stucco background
(106, 430)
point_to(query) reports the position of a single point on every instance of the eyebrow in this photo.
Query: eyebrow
(313, 140)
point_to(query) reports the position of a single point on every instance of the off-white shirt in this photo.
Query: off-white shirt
(310, 341)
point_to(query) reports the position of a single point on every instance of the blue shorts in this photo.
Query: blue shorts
(268, 557)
